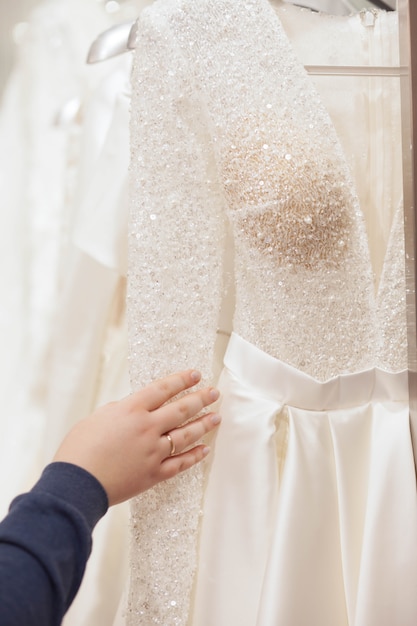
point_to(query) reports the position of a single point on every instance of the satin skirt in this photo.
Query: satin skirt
(310, 506)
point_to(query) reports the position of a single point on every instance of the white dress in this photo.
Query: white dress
(245, 218)
(38, 162)
(63, 221)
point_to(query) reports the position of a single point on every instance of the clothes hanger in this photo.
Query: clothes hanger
(131, 41)
(380, 4)
(110, 43)
(69, 113)
(122, 38)
(335, 7)
(322, 6)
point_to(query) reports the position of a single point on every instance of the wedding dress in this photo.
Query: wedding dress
(248, 217)
(39, 159)
(63, 232)
(89, 351)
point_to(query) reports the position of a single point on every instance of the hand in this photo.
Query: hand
(128, 445)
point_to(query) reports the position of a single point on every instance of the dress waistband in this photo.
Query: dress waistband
(288, 385)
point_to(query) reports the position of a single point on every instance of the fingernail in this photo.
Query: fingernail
(195, 376)
(216, 419)
(214, 394)
(206, 450)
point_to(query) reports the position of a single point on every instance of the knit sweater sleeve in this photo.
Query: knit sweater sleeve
(45, 542)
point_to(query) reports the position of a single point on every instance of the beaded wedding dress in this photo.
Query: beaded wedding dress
(249, 218)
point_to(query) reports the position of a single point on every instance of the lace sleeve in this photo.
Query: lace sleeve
(175, 266)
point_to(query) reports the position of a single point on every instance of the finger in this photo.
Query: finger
(157, 393)
(179, 439)
(173, 465)
(176, 413)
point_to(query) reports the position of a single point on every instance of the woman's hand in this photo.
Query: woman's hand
(132, 444)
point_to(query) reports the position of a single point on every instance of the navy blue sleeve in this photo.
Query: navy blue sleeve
(45, 542)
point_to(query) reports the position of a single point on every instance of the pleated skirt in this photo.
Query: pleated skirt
(310, 506)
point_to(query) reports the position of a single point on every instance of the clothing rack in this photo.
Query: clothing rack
(356, 70)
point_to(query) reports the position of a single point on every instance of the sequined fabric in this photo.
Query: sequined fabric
(228, 133)
(392, 316)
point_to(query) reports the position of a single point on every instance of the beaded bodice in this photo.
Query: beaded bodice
(231, 143)
(241, 141)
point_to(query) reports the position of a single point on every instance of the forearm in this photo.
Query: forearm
(45, 542)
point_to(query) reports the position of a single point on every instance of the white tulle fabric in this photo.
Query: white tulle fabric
(314, 540)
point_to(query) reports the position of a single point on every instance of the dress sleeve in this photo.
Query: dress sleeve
(174, 293)
(176, 223)
(45, 542)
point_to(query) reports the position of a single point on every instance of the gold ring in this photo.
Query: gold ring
(172, 444)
